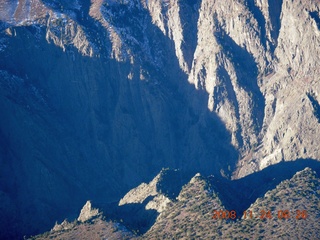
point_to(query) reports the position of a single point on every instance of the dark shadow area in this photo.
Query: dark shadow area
(315, 16)
(258, 15)
(171, 182)
(134, 216)
(240, 194)
(275, 8)
(79, 129)
(4, 25)
(315, 105)
(246, 71)
(189, 14)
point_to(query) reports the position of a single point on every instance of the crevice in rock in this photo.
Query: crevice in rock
(189, 14)
(315, 16)
(246, 72)
(257, 14)
(228, 88)
(275, 8)
(315, 105)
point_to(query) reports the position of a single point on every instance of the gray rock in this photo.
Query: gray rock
(88, 212)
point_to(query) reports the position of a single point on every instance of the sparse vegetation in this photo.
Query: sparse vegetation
(282, 197)
(289, 211)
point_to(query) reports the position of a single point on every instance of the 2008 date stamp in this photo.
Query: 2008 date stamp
(264, 214)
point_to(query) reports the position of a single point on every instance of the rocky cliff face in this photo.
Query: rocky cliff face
(97, 96)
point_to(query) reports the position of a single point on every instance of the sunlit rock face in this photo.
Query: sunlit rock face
(98, 96)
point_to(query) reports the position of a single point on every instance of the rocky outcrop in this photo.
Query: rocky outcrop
(65, 225)
(140, 193)
(88, 212)
(155, 195)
